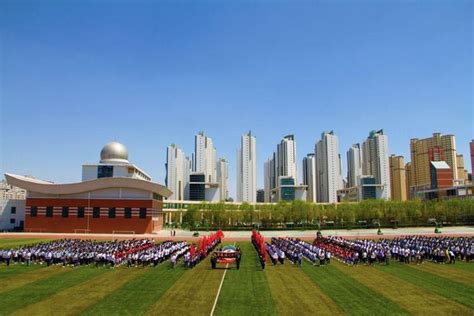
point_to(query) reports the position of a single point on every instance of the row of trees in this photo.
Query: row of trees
(304, 214)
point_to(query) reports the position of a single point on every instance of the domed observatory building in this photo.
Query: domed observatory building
(114, 196)
(113, 163)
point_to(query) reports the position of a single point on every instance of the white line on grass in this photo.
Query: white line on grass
(219, 291)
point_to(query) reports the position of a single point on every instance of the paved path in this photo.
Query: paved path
(245, 235)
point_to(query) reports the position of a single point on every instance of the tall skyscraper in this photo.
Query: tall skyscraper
(247, 169)
(223, 179)
(205, 157)
(269, 178)
(176, 172)
(471, 147)
(188, 169)
(328, 168)
(282, 167)
(398, 178)
(354, 165)
(462, 173)
(286, 158)
(375, 161)
(309, 176)
(408, 179)
(424, 151)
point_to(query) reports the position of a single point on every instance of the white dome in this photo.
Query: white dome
(114, 152)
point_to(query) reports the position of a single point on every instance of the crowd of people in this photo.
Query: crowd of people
(276, 255)
(295, 250)
(144, 252)
(75, 252)
(133, 252)
(157, 254)
(406, 249)
(190, 260)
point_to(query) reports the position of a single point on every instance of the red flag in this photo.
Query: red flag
(200, 245)
(263, 251)
(204, 244)
(191, 250)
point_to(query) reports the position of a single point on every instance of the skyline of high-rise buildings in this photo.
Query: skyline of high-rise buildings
(213, 174)
(174, 92)
(371, 171)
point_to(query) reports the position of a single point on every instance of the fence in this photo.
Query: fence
(122, 232)
(35, 230)
(81, 230)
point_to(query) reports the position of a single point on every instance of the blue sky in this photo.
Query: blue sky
(77, 74)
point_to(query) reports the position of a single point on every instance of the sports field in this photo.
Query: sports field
(337, 289)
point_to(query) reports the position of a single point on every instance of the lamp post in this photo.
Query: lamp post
(196, 233)
(379, 231)
(318, 233)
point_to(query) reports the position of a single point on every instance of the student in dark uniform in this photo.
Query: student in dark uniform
(7, 257)
(213, 261)
(237, 260)
(262, 262)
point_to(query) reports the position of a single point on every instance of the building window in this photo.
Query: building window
(112, 212)
(65, 212)
(13, 210)
(80, 211)
(142, 212)
(96, 212)
(34, 211)
(105, 171)
(12, 221)
(49, 211)
(128, 212)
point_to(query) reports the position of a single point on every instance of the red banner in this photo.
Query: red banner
(206, 241)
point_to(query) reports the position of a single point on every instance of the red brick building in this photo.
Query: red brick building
(103, 205)
(441, 175)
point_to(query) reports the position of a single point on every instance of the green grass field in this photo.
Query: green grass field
(337, 289)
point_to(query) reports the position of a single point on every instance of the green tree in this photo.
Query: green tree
(192, 216)
(248, 213)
